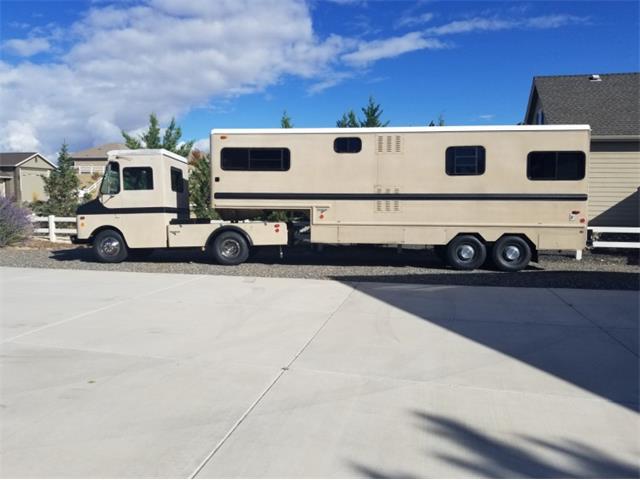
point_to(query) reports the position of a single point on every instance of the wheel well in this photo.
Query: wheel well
(106, 227)
(230, 228)
(471, 234)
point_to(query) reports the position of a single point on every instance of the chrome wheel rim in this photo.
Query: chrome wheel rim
(110, 246)
(230, 248)
(512, 253)
(466, 252)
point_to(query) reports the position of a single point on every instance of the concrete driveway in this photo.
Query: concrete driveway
(111, 374)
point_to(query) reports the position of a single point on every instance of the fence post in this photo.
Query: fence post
(578, 254)
(52, 228)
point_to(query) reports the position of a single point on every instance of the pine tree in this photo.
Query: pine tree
(285, 121)
(200, 186)
(372, 113)
(440, 121)
(348, 120)
(62, 186)
(152, 139)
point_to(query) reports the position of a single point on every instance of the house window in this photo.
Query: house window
(347, 145)
(465, 160)
(137, 178)
(111, 181)
(556, 165)
(256, 159)
(177, 182)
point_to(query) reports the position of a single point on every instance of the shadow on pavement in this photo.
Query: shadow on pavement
(531, 279)
(485, 456)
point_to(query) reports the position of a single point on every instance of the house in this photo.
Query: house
(93, 160)
(21, 176)
(610, 103)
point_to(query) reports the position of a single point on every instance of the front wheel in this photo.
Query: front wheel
(109, 247)
(230, 248)
(511, 254)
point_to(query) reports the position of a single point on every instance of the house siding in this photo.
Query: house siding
(32, 184)
(614, 180)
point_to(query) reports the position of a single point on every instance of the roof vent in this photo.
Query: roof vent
(595, 78)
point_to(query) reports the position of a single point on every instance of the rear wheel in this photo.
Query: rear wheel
(466, 252)
(109, 247)
(511, 254)
(230, 248)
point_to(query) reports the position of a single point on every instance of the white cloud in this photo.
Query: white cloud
(203, 145)
(167, 56)
(368, 52)
(487, 116)
(26, 47)
(410, 20)
(120, 62)
(492, 24)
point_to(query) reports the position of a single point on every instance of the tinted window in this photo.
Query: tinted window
(111, 181)
(177, 184)
(137, 178)
(256, 159)
(465, 160)
(347, 145)
(556, 165)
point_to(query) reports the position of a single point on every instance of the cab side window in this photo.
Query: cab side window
(137, 178)
(177, 183)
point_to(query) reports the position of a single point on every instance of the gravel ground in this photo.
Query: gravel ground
(619, 271)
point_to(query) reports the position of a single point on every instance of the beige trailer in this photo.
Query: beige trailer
(502, 191)
(143, 204)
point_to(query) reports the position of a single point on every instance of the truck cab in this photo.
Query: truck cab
(143, 204)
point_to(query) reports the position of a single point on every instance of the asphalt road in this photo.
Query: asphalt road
(122, 374)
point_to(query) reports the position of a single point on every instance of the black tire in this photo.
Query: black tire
(109, 247)
(511, 254)
(466, 252)
(230, 248)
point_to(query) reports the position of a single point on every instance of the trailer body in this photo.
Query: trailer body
(400, 186)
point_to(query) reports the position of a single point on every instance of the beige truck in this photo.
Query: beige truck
(498, 193)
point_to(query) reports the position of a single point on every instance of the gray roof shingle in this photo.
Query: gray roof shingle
(11, 159)
(611, 106)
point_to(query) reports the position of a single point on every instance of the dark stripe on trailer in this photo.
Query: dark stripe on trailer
(401, 196)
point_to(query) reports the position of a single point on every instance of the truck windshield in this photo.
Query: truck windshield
(111, 180)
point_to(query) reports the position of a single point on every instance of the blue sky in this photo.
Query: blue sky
(80, 71)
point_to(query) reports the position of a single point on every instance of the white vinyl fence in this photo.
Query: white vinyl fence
(52, 230)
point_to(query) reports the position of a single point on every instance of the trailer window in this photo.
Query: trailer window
(111, 181)
(556, 165)
(347, 145)
(177, 183)
(255, 159)
(467, 160)
(137, 178)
